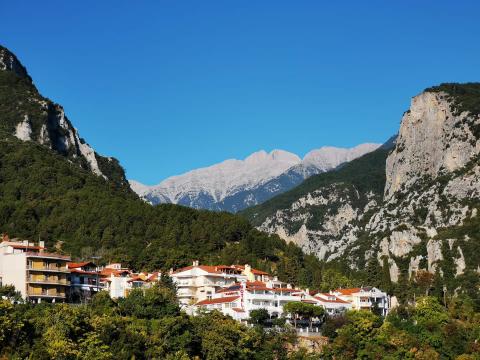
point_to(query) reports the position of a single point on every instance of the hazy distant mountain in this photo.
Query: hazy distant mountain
(233, 185)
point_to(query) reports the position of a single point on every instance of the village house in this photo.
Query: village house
(365, 298)
(84, 279)
(119, 281)
(332, 304)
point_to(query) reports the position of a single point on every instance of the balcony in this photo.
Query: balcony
(47, 281)
(46, 294)
(48, 268)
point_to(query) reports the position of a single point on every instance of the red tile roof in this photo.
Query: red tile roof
(254, 271)
(238, 310)
(77, 271)
(218, 269)
(154, 277)
(29, 247)
(348, 291)
(208, 268)
(72, 265)
(226, 299)
(109, 271)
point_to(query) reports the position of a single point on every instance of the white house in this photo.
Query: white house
(365, 298)
(332, 304)
(201, 282)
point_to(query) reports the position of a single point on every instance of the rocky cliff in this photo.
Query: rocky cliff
(29, 116)
(423, 216)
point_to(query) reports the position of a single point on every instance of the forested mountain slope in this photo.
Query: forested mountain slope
(414, 207)
(54, 189)
(325, 212)
(31, 117)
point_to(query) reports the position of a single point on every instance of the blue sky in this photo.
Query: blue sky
(168, 86)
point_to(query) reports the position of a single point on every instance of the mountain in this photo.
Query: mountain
(233, 185)
(412, 207)
(55, 188)
(32, 117)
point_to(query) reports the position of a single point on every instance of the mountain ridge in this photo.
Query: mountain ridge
(234, 184)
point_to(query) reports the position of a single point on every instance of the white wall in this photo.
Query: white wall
(13, 268)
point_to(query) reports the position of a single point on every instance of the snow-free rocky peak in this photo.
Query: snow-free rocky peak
(233, 184)
(9, 62)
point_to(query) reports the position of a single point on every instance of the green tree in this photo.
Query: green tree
(10, 325)
(259, 317)
(8, 292)
(151, 303)
(294, 309)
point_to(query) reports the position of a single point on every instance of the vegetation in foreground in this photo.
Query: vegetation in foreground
(145, 325)
(149, 325)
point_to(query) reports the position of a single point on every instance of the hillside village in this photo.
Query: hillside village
(234, 290)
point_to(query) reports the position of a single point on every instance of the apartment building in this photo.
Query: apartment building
(39, 276)
(84, 279)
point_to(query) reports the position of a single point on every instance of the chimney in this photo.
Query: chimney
(195, 263)
(289, 286)
(248, 268)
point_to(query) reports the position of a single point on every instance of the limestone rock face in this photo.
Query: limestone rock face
(339, 208)
(434, 250)
(430, 197)
(431, 140)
